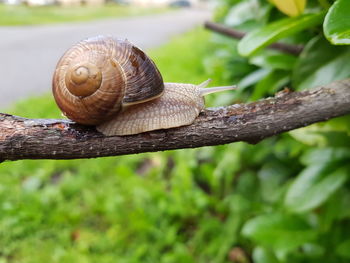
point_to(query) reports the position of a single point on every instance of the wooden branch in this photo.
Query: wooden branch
(22, 138)
(230, 32)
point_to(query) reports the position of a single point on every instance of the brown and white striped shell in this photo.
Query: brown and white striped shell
(112, 84)
(98, 75)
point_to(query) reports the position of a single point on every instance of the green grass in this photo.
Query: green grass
(25, 15)
(139, 208)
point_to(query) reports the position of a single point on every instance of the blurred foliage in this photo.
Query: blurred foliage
(285, 199)
(14, 15)
(304, 175)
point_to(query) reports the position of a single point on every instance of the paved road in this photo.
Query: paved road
(28, 55)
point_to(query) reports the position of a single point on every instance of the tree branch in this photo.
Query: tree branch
(22, 138)
(230, 32)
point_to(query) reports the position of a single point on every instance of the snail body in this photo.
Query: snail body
(112, 84)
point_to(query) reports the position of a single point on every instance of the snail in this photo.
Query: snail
(112, 84)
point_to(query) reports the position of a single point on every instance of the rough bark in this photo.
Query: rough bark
(22, 138)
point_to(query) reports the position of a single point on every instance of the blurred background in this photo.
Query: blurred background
(285, 199)
(35, 34)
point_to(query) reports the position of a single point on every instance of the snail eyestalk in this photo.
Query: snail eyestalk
(205, 91)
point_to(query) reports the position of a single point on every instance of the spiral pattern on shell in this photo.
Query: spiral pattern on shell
(94, 78)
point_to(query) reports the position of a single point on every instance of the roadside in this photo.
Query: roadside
(17, 15)
(29, 54)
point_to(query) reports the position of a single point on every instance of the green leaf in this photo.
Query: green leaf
(309, 135)
(272, 176)
(343, 249)
(341, 124)
(313, 250)
(333, 133)
(336, 25)
(242, 12)
(274, 61)
(258, 39)
(335, 210)
(263, 255)
(252, 78)
(320, 63)
(270, 84)
(323, 155)
(280, 231)
(314, 186)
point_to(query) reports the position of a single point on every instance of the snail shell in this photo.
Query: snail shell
(98, 75)
(112, 84)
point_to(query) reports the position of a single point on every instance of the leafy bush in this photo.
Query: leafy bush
(302, 176)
